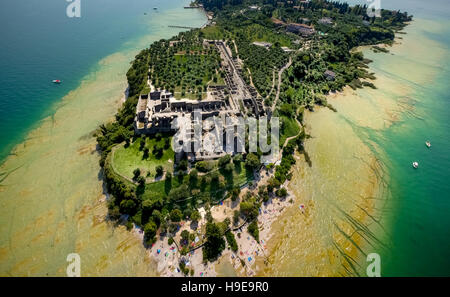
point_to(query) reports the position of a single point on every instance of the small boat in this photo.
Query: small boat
(56, 81)
(428, 144)
(302, 208)
(155, 8)
(415, 164)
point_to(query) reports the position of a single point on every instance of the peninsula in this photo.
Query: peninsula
(254, 59)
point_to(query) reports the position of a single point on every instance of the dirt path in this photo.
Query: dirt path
(279, 83)
(273, 84)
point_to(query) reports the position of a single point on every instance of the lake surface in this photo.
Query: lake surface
(40, 44)
(51, 194)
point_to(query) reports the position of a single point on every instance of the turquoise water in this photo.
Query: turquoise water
(420, 206)
(40, 43)
(420, 213)
(417, 222)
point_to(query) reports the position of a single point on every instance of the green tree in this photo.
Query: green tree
(195, 216)
(179, 193)
(237, 159)
(136, 173)
(176, 215)
(235, 193)
(224, 160)
(193, 176)
(281, 192)
(141, 181)
(159, 170)
(214, 244)
(231, 241)
(253, 230)
(228, 168)
(236, 216)
(252, 161)
(184, 237)
(157, 216)
(150, 231)
(202, 166)
(128, 206)
(182, 165)
(249, 208)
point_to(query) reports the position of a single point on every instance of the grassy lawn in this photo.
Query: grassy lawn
(256, 32)
(188, 95)
(288, 128)
(127, 159)
(237, 177)
(213, 32)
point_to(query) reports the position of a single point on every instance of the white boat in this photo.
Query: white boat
(415, 164)
(56, 81)
(428, 144)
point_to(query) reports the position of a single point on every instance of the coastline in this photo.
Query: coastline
(345, 253)
(365, 114)
(314, 234)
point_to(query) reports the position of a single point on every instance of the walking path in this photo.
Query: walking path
(279, 83)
